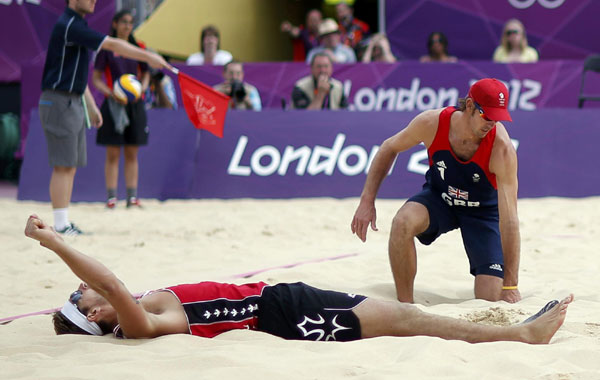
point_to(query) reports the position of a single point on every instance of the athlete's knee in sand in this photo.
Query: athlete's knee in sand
(488, 287)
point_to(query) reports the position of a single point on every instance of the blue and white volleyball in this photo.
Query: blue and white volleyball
(127, 88)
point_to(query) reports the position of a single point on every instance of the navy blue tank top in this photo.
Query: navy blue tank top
(461, 184)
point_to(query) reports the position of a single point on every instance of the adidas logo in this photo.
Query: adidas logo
(496, 267)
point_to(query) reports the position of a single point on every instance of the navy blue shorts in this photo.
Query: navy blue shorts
(300, 312)
(479, 228)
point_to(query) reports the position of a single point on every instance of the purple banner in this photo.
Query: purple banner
(558, 29)
(26, 27)
(285, 154)
(166, 164)
(404, 86)
(414, 86)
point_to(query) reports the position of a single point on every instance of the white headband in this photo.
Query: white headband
(80, 320)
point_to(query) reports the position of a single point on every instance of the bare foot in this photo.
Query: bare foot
(543, 328)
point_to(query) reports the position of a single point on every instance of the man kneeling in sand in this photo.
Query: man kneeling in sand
(102, 304)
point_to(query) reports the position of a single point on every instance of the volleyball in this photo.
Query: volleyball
(127, 88)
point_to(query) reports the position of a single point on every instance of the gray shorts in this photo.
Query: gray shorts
(63, 119)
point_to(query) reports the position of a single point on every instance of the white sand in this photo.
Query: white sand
(189, 241)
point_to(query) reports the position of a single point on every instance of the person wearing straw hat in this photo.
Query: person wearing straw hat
(331, 43)
(102, 304)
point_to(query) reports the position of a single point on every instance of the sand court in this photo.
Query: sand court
(308, 240)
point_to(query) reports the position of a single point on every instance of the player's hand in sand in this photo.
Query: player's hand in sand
(510, 295)
(40, 231)
(365, 214)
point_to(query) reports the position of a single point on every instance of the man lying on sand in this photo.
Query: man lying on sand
(102, 304)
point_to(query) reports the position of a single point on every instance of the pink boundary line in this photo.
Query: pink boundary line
(6, 320)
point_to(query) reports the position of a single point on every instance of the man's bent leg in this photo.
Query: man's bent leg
(61, 186)
(385, 318)
(411, 220)
(488, 287)
(481, 237)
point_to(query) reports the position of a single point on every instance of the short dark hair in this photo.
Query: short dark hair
(443, 41)
(62, 325)
(116, 18)
(209, 29)
(225, 66)
(462, 105)
(320, 54)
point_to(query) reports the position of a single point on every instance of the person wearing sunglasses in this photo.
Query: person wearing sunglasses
(471, 185)
(513, 45)
(437, 49)
(102, 304)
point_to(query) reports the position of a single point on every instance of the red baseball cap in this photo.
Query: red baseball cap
(492, 96)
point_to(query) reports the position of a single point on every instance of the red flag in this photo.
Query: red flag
(205, 107)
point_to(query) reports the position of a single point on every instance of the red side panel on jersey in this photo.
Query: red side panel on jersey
(440, 141)
(208, 290)
(213, 308)
(481, 156)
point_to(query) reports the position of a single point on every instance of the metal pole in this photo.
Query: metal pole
(381, 15)
(140, 11)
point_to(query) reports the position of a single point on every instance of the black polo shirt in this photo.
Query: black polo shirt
(67, 60)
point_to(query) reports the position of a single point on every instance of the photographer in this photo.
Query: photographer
(161, 92)
(244, 96)
(319, 90)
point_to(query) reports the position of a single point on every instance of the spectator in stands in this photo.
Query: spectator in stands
(305, 37)
(161, 92)
(319, 90)
(437, 47)
(244, 96)
(513, 45)
(378, 50)
(352, 30)
(210, 52)
(329, 34)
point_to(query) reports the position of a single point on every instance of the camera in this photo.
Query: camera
(238, 92)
